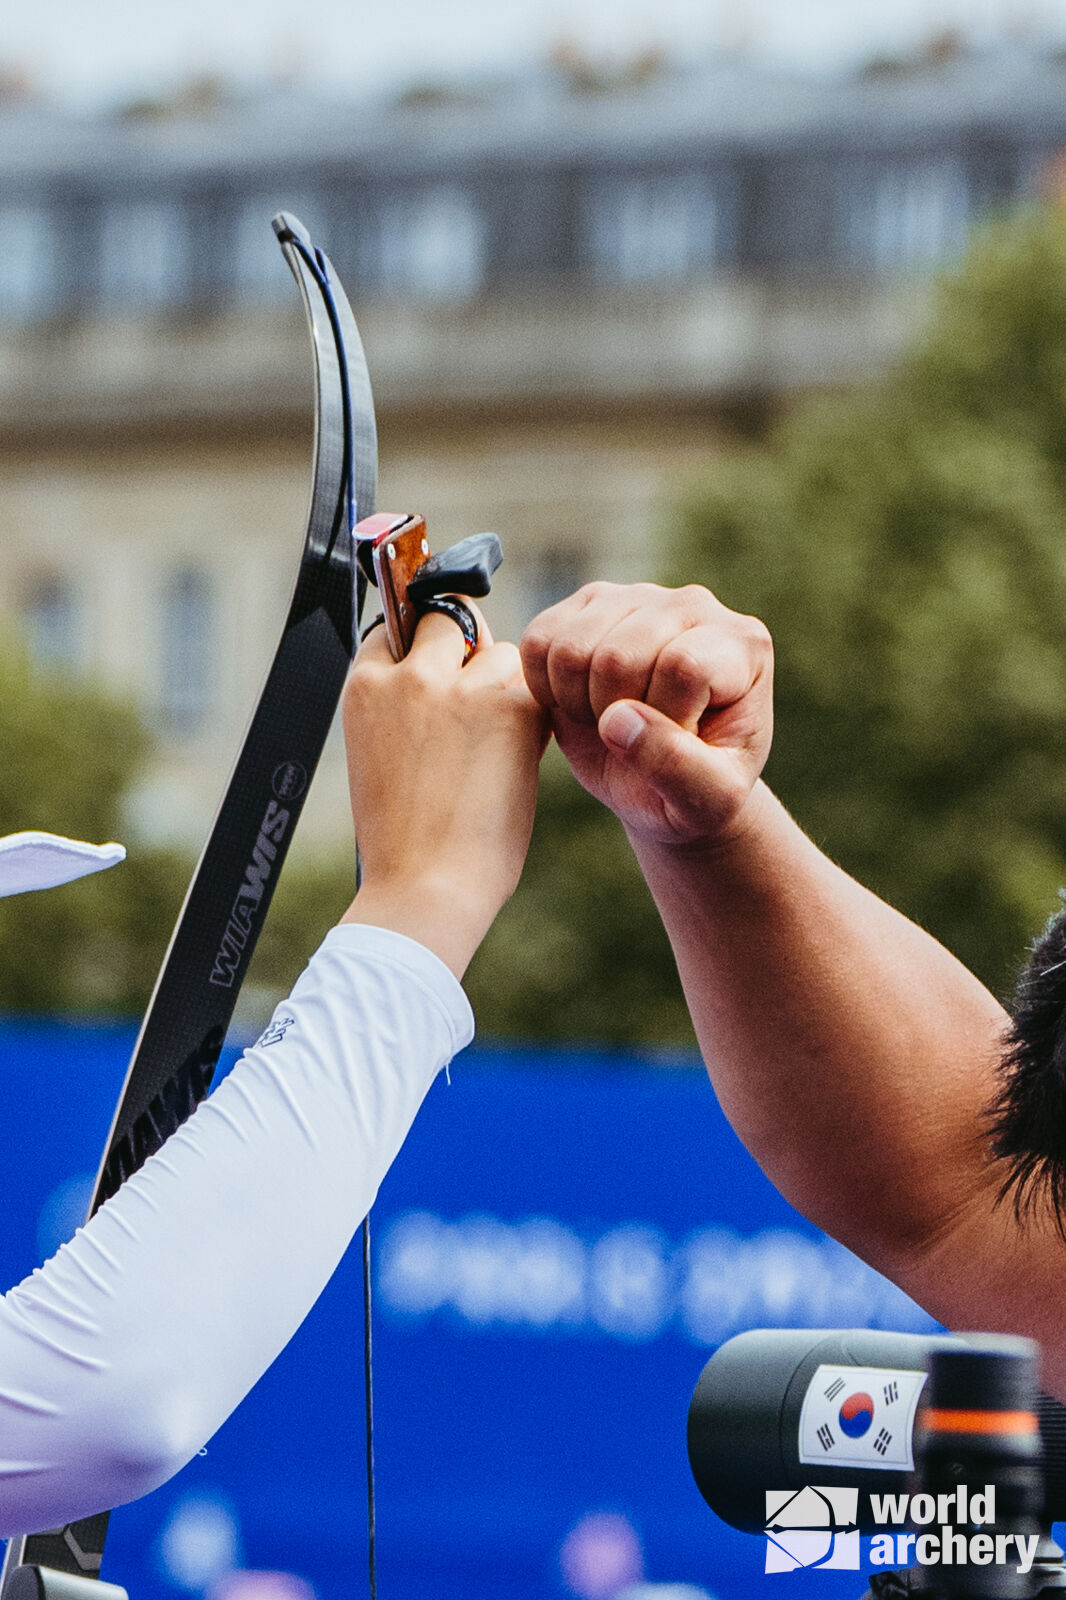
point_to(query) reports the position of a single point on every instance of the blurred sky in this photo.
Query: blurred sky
(97, 51)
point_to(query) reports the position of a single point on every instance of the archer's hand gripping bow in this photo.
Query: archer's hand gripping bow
(206, 961)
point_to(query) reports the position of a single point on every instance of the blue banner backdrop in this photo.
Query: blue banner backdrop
(562, 1242)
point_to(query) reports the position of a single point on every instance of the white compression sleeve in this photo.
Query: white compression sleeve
(130, 1347)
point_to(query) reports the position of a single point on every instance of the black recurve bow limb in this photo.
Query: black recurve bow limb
(191, 1006)
(196, 991)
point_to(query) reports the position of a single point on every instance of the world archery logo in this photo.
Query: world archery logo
(812, 1527)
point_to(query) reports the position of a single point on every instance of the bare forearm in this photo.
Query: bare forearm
(441, 916)
(851, 1051)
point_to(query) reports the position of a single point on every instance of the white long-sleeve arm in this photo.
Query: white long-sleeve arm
(130, 1347)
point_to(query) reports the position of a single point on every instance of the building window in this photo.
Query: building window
(186, 651)
(904, 213)
(51, 616)
(27, 262)
(430, 245)
(651, 229)
(143, 253)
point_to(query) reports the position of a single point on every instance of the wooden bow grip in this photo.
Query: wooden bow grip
(398, 547)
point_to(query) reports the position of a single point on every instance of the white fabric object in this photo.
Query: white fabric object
(124, 1353)
(45, 860)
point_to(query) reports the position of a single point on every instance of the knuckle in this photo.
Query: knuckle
(355, 685)
(598, 589)
(611, 661)
(641, 596)
(682, 664)
(699, 600)
(505, 656)
(533, 646)
(568, 656)
(421, 675)
(757, 636)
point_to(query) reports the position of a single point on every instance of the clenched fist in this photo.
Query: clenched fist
(661, 701)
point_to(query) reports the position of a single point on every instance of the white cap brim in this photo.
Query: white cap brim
(45, 860)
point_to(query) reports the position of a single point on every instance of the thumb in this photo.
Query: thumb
(695, 781)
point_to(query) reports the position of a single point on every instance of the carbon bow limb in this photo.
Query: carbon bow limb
(183, 1030)
(192, 1004)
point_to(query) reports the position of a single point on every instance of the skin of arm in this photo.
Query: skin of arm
(442, 769)
(126, 1350)
(852, 1053)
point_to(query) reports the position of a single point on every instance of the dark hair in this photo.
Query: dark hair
(1028, 1115)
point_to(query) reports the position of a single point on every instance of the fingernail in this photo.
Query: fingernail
(621, 725)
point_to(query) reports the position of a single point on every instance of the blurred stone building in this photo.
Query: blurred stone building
(570, 289)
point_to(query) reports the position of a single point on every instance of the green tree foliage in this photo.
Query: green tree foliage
(906, 543)
(94, 946)
(907, 546)
(580, 953)
(69, 755)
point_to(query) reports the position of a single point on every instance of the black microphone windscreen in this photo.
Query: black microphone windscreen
(780, 1409)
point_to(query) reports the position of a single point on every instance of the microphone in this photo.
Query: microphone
(978, 1425)
(779, 1408)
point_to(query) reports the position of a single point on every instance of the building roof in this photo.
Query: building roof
(723, 108)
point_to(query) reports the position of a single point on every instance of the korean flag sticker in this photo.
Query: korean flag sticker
(860, 1417)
